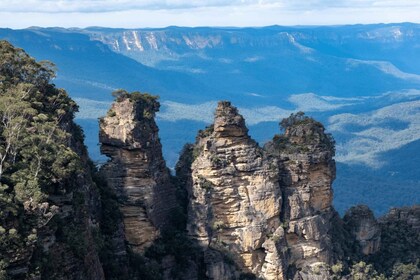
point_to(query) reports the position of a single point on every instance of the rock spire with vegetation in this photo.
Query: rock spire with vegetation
(137, 173)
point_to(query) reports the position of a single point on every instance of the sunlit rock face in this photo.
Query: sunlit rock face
(306, 173)
(137, 173)
(235, 201)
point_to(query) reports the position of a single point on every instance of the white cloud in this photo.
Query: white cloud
(204, 112)
(154, 13)
(308, 102)
(174, 111)
(54, 6)
(89, 6)
(253, 59)
(375, 133)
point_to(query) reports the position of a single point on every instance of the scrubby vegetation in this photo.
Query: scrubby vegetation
(148, 103)
(38, 158)
(309, 132)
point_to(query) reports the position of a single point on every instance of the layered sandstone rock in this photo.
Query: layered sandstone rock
(360, 221)
(400, 236)
(235, 201)
(407, 215)
(137, 173)
(307, 171)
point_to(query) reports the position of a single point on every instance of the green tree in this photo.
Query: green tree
(37, 155)
(406, 271)
(364, 271)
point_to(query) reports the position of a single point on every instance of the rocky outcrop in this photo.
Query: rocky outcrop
(360, 221)
(407, 215)
(235, 201)
(400, 237)
(307, 170)
(137, 173)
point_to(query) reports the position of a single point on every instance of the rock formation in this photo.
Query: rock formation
(307, 171)
(235, 201)
(400, 237)
(359, 220)
(407, 215)
(269, 208)
(137, 173)
(234, 211)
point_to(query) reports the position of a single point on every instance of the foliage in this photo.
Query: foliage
(146, 102)
(206, 132)
(135, 96)
(36, 157)
(280, 142)
(364, 271)
(400, 243)
(311, 134)
(406, 271)
(336, 271)
(296, 119)
(110, 220)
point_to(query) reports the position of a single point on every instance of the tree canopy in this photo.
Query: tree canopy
(36, 158)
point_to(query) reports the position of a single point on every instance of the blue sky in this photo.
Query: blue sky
(157, 13)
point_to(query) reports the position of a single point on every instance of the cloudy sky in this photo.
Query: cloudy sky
(160, 13)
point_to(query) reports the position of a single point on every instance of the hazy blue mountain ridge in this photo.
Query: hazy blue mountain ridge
(362, 81)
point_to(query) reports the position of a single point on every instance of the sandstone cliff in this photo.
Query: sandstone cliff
(362, 224)
(307, 170)
(268, 209)
(235, 201)
(234, 210)
(61, 244)
(137, 173)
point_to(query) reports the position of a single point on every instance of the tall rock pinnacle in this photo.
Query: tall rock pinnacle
(235, 201)
(307, 171)
(137, 172)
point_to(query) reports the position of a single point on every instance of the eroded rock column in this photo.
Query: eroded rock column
(137, 173)
(235, 201)
(307, 171)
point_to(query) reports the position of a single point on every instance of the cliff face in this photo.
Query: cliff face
(270, 208)
(137, 173)
(61, 243)
(235, 200)
(359, 220)
(400, 238)
(307, 171)
(251, 212)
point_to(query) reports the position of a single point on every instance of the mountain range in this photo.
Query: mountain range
(361, 81)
